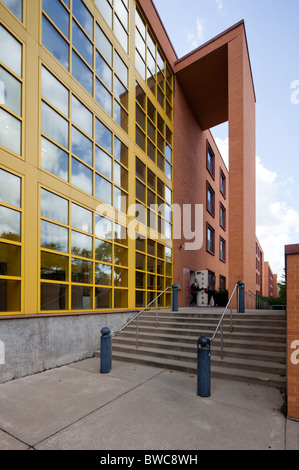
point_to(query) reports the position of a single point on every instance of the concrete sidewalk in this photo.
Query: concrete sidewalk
(134, 407)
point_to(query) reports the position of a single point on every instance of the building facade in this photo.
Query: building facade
(105, 149)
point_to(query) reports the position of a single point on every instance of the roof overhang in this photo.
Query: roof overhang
(203, 75)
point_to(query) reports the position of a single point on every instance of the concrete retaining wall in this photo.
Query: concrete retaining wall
(35, 344)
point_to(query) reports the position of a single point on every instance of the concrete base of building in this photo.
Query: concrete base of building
(36, 344)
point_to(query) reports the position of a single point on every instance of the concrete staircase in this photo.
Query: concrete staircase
(255, 352)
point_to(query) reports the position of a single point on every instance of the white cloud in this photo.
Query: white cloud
(276, 222)
(195, 38)
(219, 4)
(222, 145)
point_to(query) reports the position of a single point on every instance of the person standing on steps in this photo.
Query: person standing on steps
(211, 290)
(194, 289)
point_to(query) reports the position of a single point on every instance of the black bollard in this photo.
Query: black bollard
(175, 298)
(203, 367)
(241, 297)
(105, 351)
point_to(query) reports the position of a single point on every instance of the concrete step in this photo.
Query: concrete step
(254, 352)
(238, 352)
(228, 362)
(247, 376)
(207, 331)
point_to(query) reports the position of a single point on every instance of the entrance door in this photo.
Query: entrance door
(186, 285)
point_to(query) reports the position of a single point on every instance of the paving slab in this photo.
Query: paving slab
(136, 407)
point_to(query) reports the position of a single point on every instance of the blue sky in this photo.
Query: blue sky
(272, 28)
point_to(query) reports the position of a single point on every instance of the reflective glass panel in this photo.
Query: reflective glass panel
(103, 297)
(103, 251)
(104, 45)
(120, 255)
(81, 116)
(103, 274)
(81, 245)
(10, 51)
(81, 298)
(103, 136)
(103, 163)
(10, 296)
(103, 70)
(122, 12)
(120, 200)
(10, 92)
(103, 227)
(81, 271)
(53, 159)
(120, 298)
(10, 188)
(10, 132)
(120, 234)
(81, 218)
(54, 297)
(54, 267)
(54, 125)
(81, 176)
(16, 6)
(54, 207)
(81, 146)
(120, 151)
(103, 97)
(55, 92)
(105, 10)
(55, 43)
(10, 260)
(103, 189)
(54, 237)
(83, 16)
(120, 116)
(121, 33)
(120, 277)
(120, 69)
(82, 44)
(82, 73)
(120, 92)
(58, 14)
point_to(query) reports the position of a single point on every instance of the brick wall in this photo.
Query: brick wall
(292, 291)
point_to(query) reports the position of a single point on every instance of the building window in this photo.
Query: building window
(95, 63)
(116, 15)
(16, 7)
(10, 242)
(210, 160)
(210, 200)
(152, 67)
(222, 283)
(210, 239)
(222, 183)
(153, 272)
(152, 134)
(10, 92)
(153, 201)
(222, 250)
(84, 258)
(222, 216)
(98, 163)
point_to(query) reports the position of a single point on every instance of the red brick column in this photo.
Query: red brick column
(292, 293)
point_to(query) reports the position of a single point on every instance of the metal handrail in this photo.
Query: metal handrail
(139, 313)
(252, 296)
(221, 320)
